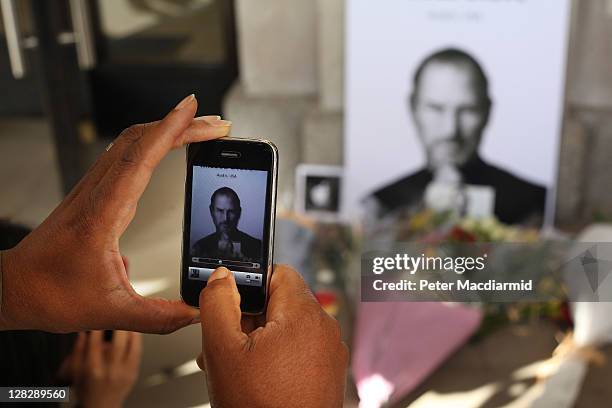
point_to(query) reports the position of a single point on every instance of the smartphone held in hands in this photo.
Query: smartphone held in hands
(230, 197)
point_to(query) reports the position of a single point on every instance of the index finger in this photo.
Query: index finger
(289, 294)
(123, 183)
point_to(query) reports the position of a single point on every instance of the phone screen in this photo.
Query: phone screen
(228, 210)
(230, 192)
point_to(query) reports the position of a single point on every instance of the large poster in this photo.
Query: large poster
(444, 93)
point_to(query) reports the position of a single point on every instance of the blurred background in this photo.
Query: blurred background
(74, 73)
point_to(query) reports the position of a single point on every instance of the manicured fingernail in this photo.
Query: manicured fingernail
(185, 102)
(219, 273)
(219, 122)
(208, 118)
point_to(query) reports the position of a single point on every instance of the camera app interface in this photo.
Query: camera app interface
(227, 223)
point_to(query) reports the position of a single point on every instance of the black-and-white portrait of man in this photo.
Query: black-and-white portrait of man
(450, 105)
(227, 242)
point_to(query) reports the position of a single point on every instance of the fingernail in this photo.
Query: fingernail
(219, 273)
(219, 122)
(185, 102)
(208, 118)
(196, 319)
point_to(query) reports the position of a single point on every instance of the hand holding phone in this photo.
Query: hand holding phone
(68, 274)
(230, 195)
(291, 356)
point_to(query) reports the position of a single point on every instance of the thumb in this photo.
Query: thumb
(157, 315)
(220, 313)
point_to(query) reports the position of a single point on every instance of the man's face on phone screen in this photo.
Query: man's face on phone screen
(225, 213)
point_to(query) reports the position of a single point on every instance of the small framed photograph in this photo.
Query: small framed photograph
(318, 190)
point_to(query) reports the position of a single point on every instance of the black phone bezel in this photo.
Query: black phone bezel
(253, 155)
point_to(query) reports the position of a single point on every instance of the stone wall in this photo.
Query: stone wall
(290, 88)
(585, 161)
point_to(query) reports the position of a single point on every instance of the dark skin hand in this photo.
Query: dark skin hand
(292, 356)
(68, 274)
(103, 373)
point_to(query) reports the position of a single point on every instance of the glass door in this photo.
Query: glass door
(92, 68)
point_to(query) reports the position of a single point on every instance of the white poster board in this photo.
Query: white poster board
(520, 45)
